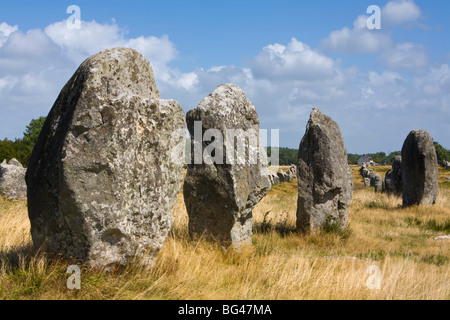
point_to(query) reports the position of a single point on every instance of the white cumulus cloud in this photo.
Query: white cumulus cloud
(407, 55)
(399, 12)
(296, 60)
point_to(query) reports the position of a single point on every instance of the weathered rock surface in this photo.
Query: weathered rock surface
(103, 176)
(377, 183)
(220, 196)
(419, 169)
(12, 180)
(325, 180)
(284, 176)
(292, 172)
(393, 179)
(274, 179)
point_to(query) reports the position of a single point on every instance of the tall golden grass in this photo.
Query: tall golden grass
(280, 263)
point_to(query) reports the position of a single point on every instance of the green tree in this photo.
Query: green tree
(7, 150)
(441, 152)
(32, 132)
(21, 149)
(353, 158)
(392, 156)
(287, 156)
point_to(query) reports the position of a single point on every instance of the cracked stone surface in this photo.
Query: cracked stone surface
(325, 180)
(101, 179)
(220, 197)
(419, 169)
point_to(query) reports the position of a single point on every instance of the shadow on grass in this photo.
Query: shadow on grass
(283, 229)
(267, 226)
(11, 260)
(375, 204)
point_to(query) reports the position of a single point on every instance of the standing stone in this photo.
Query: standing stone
(371, 176)
(387, 182)
(393, 178)
(365, 173)
(378, 183)
(325, 180)
(419, 169)
(292, 172)
(366, 182)
(221, 194)
(104, 176)
(12, 180)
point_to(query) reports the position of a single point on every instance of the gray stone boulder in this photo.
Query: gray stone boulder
(366, 182)
(15, 162)
(325, 180)
(12, 180)
(292, 172)
(445, 164)
(393, 179)
(396, 175)
(365, 173)
(387, 181)
(284, 176)
(419, 169)
(378, 183)
(274, 179)
(362, 169)
(220, 194)
(108, 165)
(371, 176)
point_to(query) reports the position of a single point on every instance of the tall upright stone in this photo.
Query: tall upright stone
(419, 169)
(325, 180)
(222, 187)
(108, 164)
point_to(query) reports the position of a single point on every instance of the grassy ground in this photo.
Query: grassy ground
(280, 264)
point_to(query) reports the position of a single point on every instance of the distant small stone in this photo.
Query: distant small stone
(12, 180)
(15, 162)
(442, 238)
(378, 183)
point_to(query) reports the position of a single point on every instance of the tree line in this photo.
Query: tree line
(21, 149)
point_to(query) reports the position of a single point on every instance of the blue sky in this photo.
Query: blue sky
(288, 56)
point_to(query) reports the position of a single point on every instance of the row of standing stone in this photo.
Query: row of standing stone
(105, 172)
(414, 174)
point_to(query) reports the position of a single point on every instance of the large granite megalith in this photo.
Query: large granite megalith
(222, 187)
(325, 180)
(419, 169)
(105, 173)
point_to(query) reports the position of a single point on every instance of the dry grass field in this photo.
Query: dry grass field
(280, 264)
